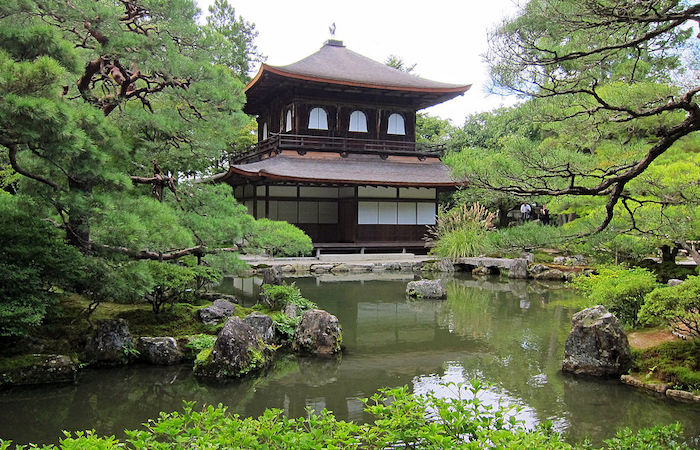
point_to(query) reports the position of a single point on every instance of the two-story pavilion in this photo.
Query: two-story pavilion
(337, 153)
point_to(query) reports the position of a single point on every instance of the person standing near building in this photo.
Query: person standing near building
(544, 215)
(525, 211)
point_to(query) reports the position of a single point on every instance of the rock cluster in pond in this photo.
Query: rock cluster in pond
(217, 312)
(110, 344)
(427, 289)
(238, 350)
(263, 325)
(39, 369)
(318, 333)
(596, 345)
(159, 350)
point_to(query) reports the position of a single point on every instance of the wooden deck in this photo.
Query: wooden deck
(369, 245)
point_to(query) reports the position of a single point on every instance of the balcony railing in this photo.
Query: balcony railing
(341, 145)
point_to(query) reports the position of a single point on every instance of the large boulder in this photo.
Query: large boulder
(111, 343)
(550, 274)
(238, 351)
(318, 333)
(429, 289)
(161, 351)
(217, 312)
(263, 324)
(518, 268)
(37, 369)
(596, 345)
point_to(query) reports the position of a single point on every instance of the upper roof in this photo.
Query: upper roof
(336, 64)
(352, 170)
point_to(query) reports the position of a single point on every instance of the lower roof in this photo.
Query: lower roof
(353, 169)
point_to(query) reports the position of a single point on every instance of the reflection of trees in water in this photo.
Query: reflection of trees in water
(525, 339)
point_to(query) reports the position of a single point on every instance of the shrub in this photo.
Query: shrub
(277, 297)
(679, 306)
(620, 290)
(527, 235)
(278, 238)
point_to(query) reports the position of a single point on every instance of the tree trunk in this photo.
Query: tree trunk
(668, 254)
(78, 226)
(502, 215)
(692, 251)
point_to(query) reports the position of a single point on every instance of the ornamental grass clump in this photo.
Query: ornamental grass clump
(461, 231)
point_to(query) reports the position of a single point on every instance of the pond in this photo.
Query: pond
(509, 333)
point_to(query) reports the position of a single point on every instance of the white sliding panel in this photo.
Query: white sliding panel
(367, 213)
(407, 213)
(387, 213)
(426, 213)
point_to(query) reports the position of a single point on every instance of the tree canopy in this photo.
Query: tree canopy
(110, 112)
(612, 110)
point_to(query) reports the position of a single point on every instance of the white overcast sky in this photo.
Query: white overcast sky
(445, 39)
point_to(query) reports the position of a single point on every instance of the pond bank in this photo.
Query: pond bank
(516, 268)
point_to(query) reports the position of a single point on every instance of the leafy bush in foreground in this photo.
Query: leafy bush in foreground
(401, 419)
(620, 290)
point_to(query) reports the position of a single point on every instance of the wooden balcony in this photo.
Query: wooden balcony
(341, 145)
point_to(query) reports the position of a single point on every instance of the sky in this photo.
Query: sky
(445, 39)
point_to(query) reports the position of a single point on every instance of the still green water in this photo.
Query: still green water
(509, 333)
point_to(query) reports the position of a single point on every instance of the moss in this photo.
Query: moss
(19, 362)
(178, 321)
(675, 362)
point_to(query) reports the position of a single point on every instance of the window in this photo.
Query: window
(396, 125)
(318, 120)
(288, 121)
(264, 134)
(358, 122)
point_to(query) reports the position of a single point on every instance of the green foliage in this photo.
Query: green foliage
(400, 419)
(285, 325)
(199, 342)
(659, 437)
(526, 236)
(619, 289)
(678, 306)
(34, 262)
(235, 35)
(675, 362)
(277, 297)
(433, 130)
(278, 238)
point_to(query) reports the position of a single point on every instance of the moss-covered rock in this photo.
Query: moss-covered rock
(238, 351)
(318, 333)
(37, 369)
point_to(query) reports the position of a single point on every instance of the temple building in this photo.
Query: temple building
(337, 154)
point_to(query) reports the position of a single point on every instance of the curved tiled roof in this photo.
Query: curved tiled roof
(354, 169)
(334, 63)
